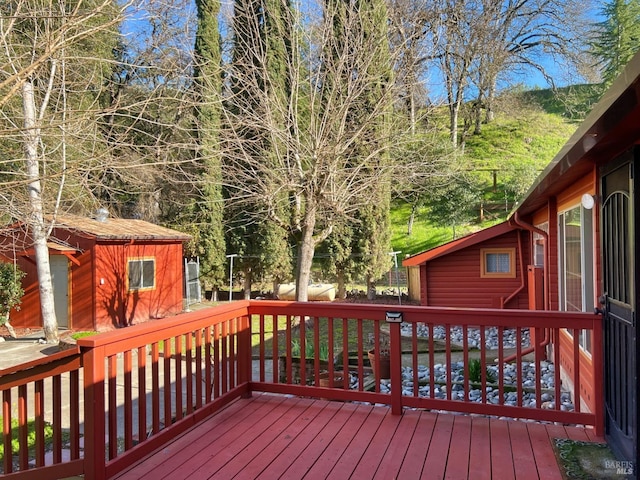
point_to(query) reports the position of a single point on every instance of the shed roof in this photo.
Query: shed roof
(119, 229)
(459, 244)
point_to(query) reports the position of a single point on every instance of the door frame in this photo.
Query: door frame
(613, 433)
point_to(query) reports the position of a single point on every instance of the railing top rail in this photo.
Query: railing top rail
(54, 357)
(441, 315)
(158, 330)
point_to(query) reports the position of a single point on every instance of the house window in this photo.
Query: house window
(497, 263)
(575, 256)
(142, 273)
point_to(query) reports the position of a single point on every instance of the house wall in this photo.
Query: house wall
(98, 295)
(444, 278)
(82, 315)
(116, 306)
(567, 199)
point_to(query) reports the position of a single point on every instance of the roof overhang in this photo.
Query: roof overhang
(611, 128)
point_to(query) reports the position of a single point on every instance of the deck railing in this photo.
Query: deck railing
(142, 386)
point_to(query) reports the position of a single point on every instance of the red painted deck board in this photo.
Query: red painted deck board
(501, 456)
(271, 436)
(480, 454)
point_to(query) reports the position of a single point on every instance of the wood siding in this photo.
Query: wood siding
(116, 305)
(454, 280)
(98, 294)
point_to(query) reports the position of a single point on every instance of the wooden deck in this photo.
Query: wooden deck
(271, 436)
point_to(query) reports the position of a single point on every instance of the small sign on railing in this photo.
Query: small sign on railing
(393, 317)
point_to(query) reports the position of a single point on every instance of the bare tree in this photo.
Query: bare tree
(39, 44)
(324, 166)
(82, 127)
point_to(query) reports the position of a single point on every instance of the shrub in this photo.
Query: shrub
(10, 289)
(475, 372)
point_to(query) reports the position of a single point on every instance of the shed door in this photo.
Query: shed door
(620, 331)
(59, 265)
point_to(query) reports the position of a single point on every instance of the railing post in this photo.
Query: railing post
(598, 374)
(94, 414)
(394, 320)
(244, 353)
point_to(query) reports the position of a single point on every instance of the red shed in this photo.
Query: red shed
(488, 266)
(106, 274)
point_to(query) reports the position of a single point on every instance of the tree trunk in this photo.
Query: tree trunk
(36, 220)
(247, 283)
(306, 249)
(342, 288)
(454, 110)
(412, 218)
(371, 289)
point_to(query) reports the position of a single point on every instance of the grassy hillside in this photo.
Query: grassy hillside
(528, 131)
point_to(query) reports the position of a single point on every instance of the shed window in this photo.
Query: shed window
(142, 273)
(498, 262)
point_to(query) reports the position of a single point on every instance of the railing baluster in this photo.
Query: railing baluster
(128, 400)
(56, 397)
(38, 407)
(23, 453)
(113, 407)
(74, 413)
(345, 355)
(199, 359)
(275, 355)
(142, 393)
(576, 371)
(519, 381)
(177, 362)
(360, 354)
(316, 350)
(261, 336)
(483, 364)
(538, 356)
(447, 332)
(432, 371)
(465, 362)
(6, 431)
(233, 344)
(218, 361)
(224, 360)
(414, 363)
(189, 372)
(209, 364)
(155, 386)
(302, 341)
(166, 370)
(501, 365)
(288, 337)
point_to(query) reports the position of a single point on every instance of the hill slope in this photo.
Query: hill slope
(506, 157)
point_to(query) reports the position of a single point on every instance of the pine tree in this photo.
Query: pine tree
(617, 37)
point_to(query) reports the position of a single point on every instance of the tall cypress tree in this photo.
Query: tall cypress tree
(208, 209)
(370, 235)
(259, 82)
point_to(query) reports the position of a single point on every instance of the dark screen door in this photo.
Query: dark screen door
(619, 280)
